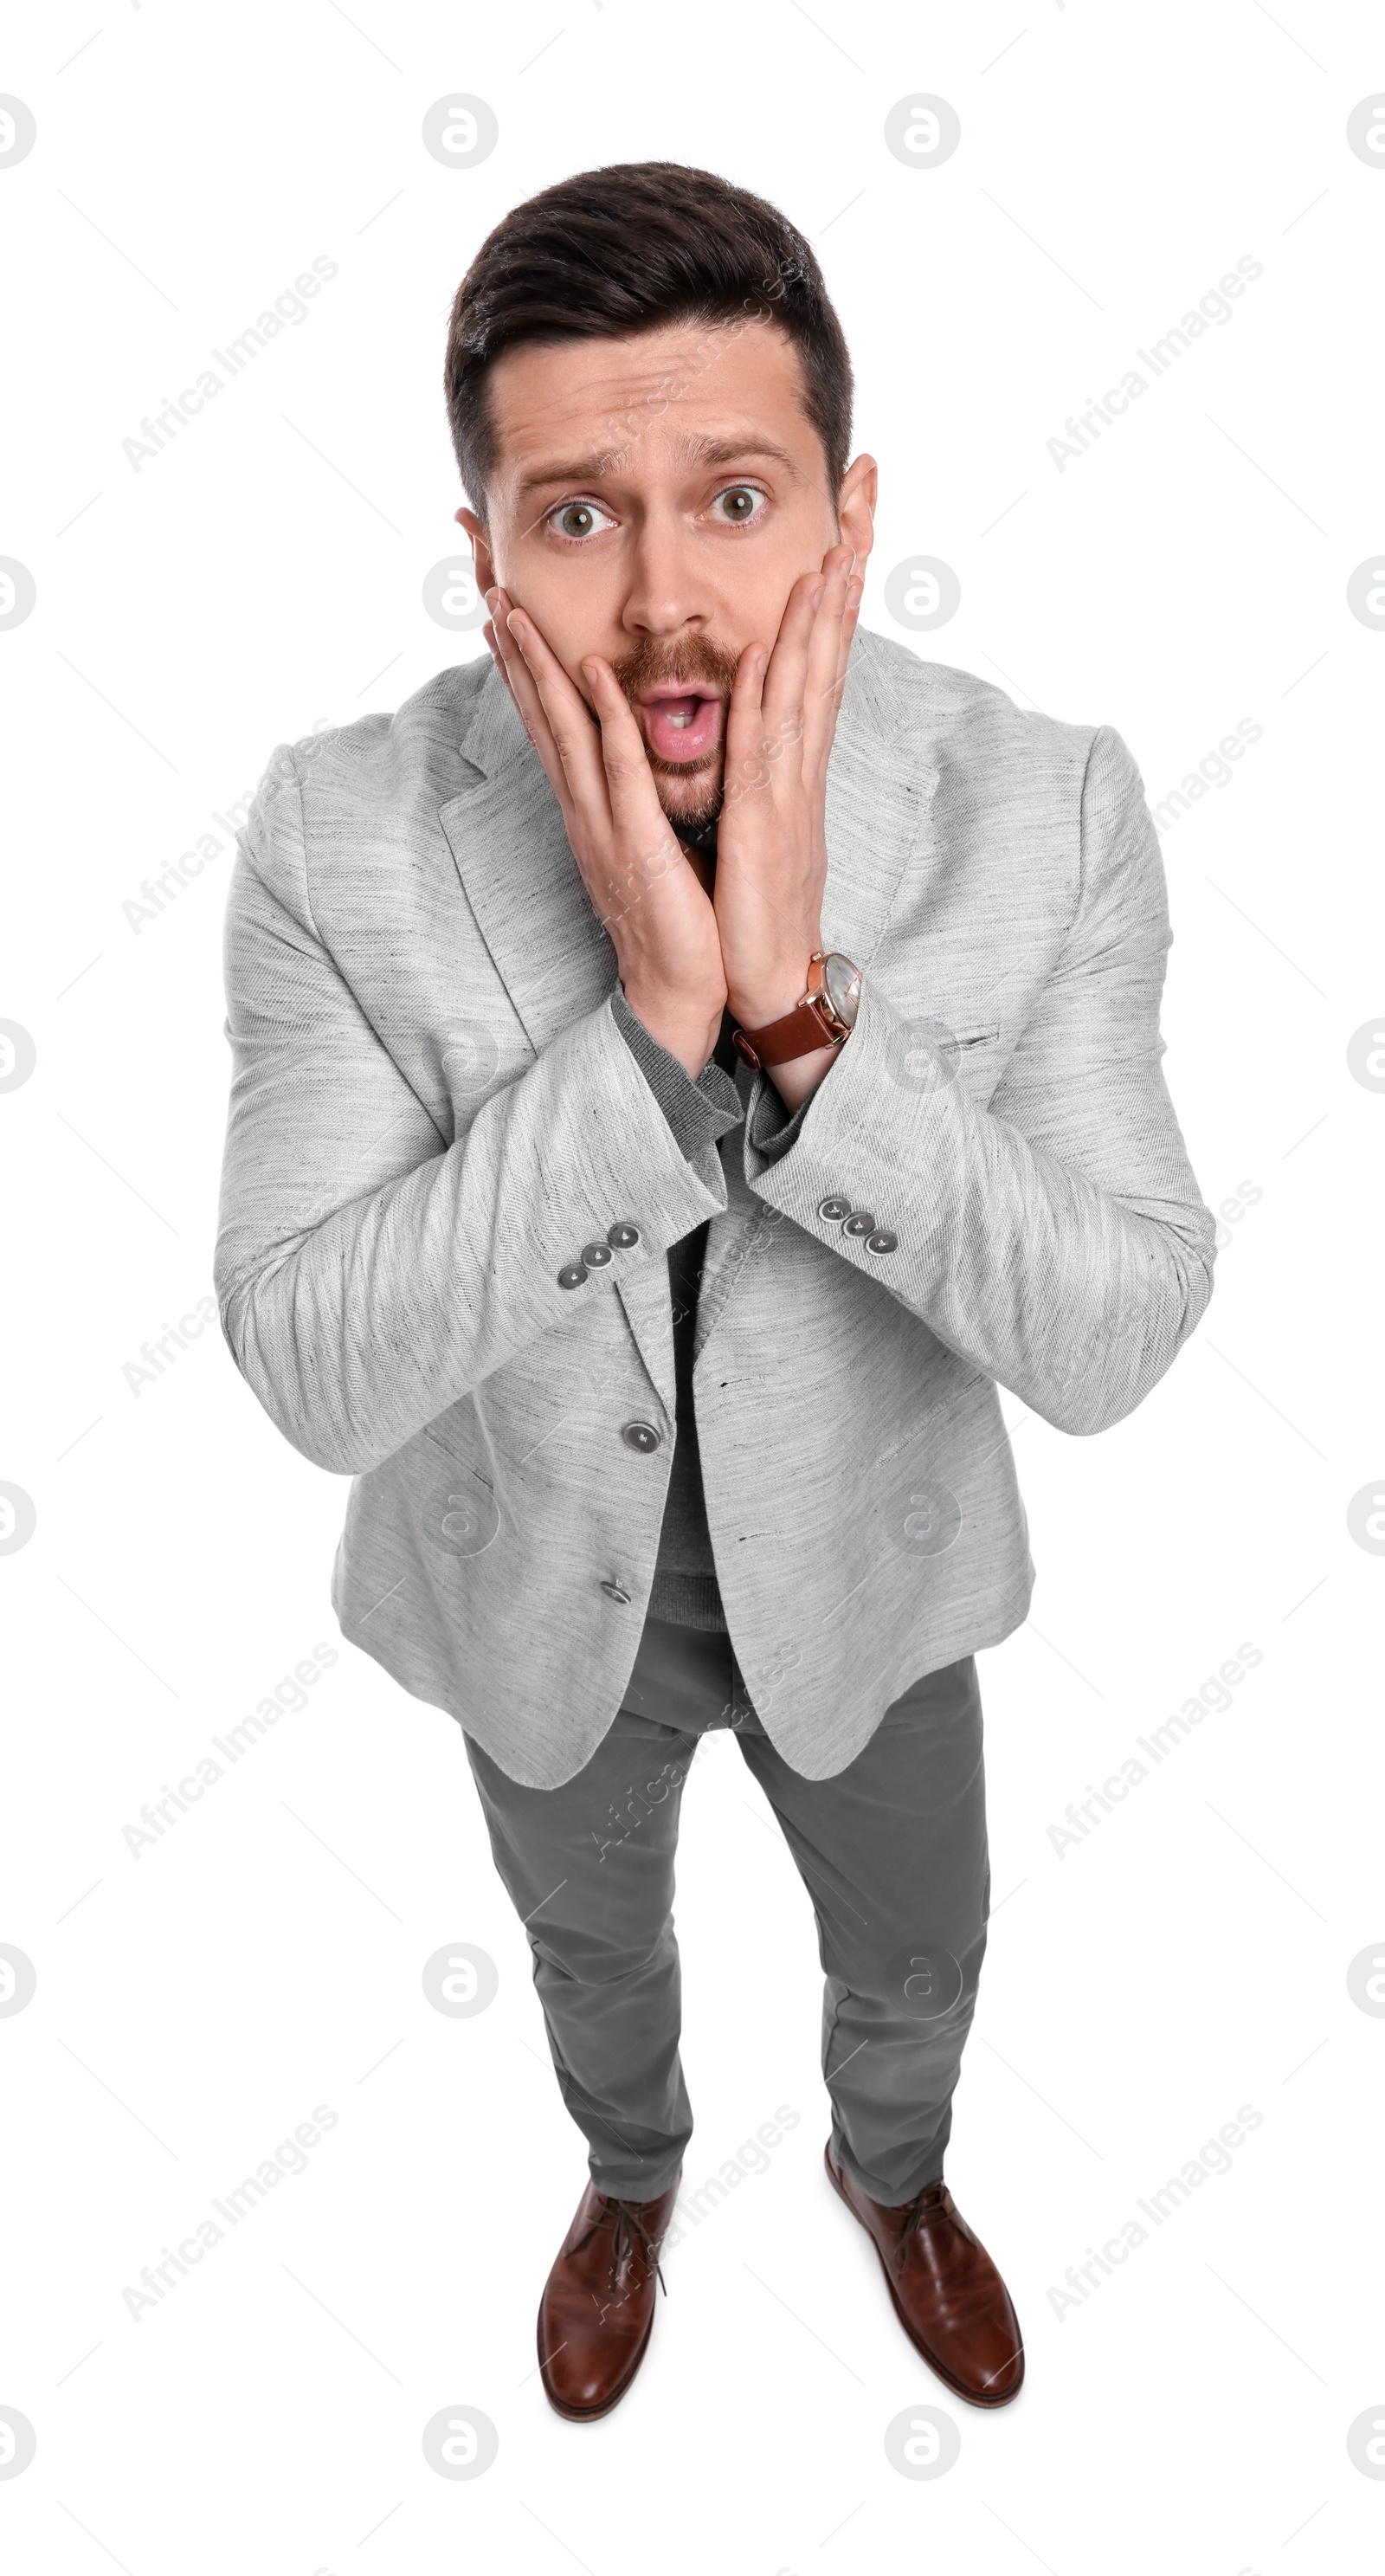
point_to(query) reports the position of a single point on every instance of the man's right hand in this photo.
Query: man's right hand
(634, 867)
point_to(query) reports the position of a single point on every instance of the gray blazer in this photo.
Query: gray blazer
(433, 1115)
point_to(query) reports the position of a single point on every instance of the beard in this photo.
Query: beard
(690, 791)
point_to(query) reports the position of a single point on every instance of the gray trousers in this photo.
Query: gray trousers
(892, 1851)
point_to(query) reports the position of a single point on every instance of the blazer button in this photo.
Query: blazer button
(860, 1221)
(613, 1592)
(622, 1236)
(884, 1241)
(574, 1276)
(834, 1209)
(596, 1255)
(641, 1435)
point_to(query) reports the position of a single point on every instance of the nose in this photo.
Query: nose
(667, 590)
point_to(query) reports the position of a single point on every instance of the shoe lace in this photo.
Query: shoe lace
(923, 2211)
(629, 2235)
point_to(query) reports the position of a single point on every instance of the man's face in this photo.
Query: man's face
(654, 500)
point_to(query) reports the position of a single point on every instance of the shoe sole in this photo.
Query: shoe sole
(593, 2414)
(970, 2396)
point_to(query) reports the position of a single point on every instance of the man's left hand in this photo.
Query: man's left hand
(771, 838)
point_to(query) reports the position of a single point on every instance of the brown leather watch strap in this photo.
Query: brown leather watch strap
(801, 1031)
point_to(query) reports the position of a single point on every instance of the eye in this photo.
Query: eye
(740, 505)
(576, 520)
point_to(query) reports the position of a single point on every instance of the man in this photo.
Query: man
(684, 1065)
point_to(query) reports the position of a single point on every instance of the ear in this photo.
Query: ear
(856, 507)
(480, 549)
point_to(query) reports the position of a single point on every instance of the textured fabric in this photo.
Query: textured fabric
(685, 1587)
(892, 1852)
(678, 1593)
(686, 1679)
(702, 1112)
(698, 1112)
(773, 1128)
(433, 1114)
(685, 1584)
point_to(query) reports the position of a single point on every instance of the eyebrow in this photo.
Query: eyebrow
(691, 451)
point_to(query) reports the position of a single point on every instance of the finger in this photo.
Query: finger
(746, 769)
(787, 672)
(855, 593)
(644, 847)
(635, 806)
(526, 698)
(498, 603)
(502, 646)
(567, 718)
(824, 651)
(825, 656)
(488, 631)
(536, 720)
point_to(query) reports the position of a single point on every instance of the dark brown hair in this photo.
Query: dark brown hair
(626, 249)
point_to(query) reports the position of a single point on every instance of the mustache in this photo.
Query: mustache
(697, 657)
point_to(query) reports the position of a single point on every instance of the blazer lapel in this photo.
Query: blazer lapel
(509, 842)
(880, 787)
(506, 834)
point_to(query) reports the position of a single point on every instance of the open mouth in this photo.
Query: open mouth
(681, 724)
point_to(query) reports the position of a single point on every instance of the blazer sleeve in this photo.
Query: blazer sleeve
(1057, 1238)
(369, 1274)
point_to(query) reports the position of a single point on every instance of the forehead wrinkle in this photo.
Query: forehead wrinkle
(705, 449)
(583, 469)
(606, 403)
(606, 415)
(689, 449)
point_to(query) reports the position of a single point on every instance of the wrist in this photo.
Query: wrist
(795, 1082)
(815, 1027)
(755, 1006)
(773, 988)
(687, 1028)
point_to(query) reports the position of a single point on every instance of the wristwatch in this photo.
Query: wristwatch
(823, 1016)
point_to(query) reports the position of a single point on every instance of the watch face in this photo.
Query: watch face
(842, 985)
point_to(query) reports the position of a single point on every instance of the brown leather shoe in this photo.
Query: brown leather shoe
(597, 2310)
(948, 2296)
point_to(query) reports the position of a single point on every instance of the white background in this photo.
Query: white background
(262, 575)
